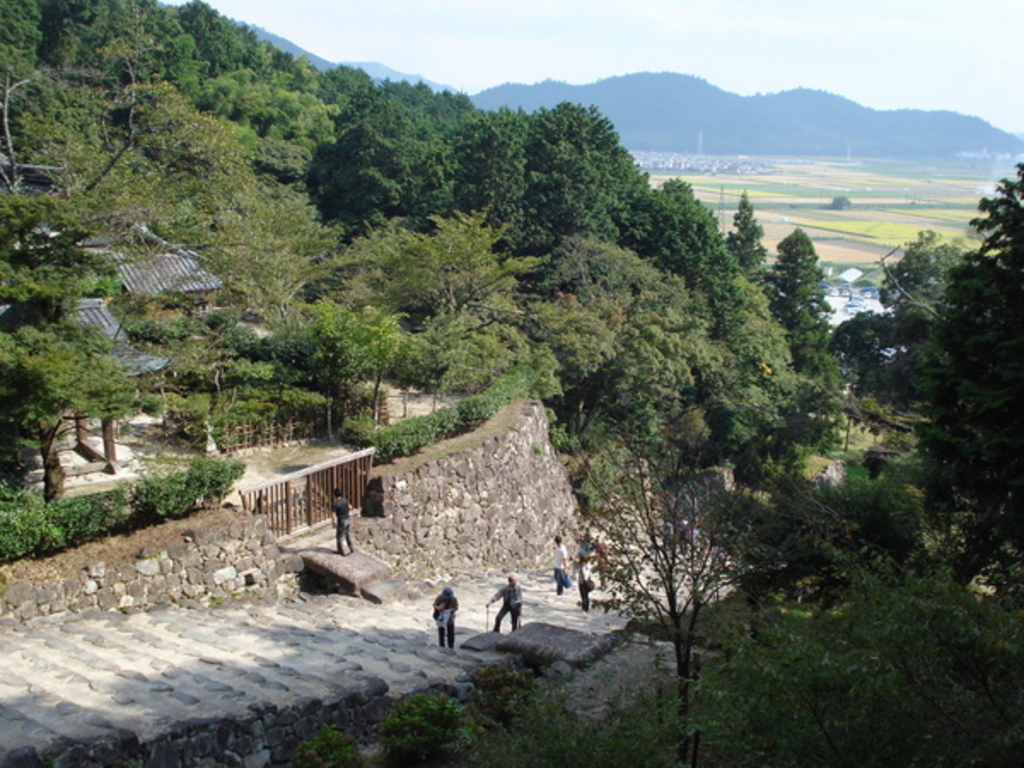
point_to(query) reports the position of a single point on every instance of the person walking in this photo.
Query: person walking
(445, 607)
(342, 521)
(511, 596)
(584, 577)
(561, 561)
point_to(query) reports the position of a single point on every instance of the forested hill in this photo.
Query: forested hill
(669, 112)
(377, 71)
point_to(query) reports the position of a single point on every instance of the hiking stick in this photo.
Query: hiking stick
(487, 627)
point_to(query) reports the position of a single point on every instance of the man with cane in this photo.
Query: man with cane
(511, 597)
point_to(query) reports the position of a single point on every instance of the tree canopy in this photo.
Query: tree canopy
(973, 384)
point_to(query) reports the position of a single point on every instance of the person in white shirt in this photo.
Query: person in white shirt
(561, 560)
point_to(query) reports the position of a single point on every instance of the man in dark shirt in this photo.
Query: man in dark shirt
(342, 521)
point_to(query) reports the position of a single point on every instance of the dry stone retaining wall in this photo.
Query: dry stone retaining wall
(499, 505)
(268, 737)
(208, 565)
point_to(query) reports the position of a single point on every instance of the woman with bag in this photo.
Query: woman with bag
(445, 607)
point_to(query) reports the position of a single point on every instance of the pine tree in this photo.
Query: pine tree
(745, 243)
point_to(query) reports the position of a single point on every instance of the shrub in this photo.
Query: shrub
(22, 522)
(328, 749)
(638, 729)
(29, 527)
(920, 673)
(204, 483)
(82, 518)
(501, 694)
(425, 727)
(211, 479)
(357, 430)
(407, 437)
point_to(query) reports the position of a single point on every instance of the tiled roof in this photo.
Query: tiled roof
(93, 313)
(170, 271)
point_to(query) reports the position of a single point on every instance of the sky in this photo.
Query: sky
(884, 54)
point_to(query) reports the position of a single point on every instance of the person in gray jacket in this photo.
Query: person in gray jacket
(511, 596)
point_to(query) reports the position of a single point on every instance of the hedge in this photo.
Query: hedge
(204, 483)
(408, 436)
(29, 527)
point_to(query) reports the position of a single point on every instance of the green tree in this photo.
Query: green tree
(50, 375)
(626, 336)
(20, 36)
(677, 232)
(670, 539)
(454, 269)
(745, 242)
(918, 673)
(864, 346)
(913, 293)
(352, 345)
(41, 262)
(578, 178)
(489, 159)
(51, 368)
(222, 45)
(270, 249)
(974, 383)
(381, 166)
(271, 110)
(798, 302)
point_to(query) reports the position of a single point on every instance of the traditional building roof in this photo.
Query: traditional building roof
(174, 271)
(91, 313)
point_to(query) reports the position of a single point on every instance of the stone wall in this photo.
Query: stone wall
(268, 737)
(207, 565)
(497, 506)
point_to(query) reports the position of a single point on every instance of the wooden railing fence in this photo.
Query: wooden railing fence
(302, 499)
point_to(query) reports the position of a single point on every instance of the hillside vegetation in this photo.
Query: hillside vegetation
(342, 236)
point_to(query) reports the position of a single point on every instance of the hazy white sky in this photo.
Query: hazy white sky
(958, 55)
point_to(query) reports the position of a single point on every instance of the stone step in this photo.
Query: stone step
(157, 684)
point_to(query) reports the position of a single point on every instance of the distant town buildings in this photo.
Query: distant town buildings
(710, 164)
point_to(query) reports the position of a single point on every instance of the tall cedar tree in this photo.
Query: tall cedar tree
(975, 386)
(798, 303)
(745, 242)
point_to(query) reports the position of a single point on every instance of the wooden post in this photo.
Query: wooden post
(109, 446)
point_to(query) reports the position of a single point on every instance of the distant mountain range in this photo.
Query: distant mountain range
(667, 112)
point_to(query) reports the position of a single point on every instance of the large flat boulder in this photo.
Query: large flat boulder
(542, 644)
(356, 572)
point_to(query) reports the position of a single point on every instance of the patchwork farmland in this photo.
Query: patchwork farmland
(889, 202)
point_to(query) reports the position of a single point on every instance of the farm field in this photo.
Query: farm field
(891, 202)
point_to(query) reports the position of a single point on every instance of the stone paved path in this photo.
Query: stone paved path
(106, 674)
